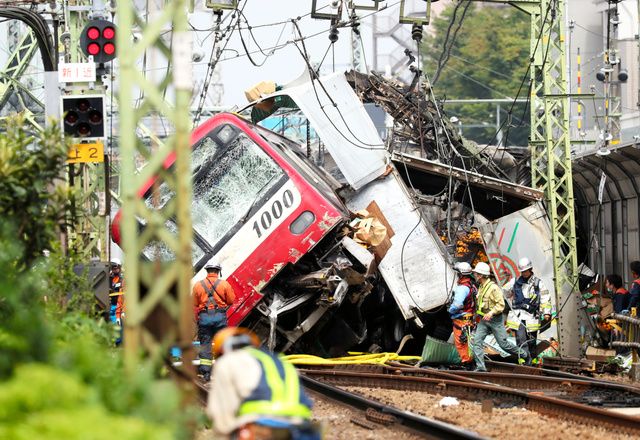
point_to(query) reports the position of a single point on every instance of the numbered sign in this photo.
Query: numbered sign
(85, 153)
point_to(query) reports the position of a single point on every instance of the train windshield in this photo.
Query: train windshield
(232, 175)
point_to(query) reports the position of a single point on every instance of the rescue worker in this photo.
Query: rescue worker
(531, 302)
(116, 286)
(619, 295)
(254, 394)
(212, 297)
(634, 291)
(461, 311)
(490, 305)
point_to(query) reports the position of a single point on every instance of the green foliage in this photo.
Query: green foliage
(45, 402)
(31, 194)
(488, 60)
(60, 376)
(24, 333)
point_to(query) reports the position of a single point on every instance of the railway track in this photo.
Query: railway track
(505, 367)
(478, 387)
(373, 413)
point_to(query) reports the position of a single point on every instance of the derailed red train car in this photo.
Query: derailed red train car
(274, 222)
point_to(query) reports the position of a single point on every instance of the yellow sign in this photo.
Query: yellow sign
(84, 153)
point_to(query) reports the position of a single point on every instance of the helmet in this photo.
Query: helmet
(116, 262)
(482, 269)
(463, 268)
(524, 264)
(213, 265)
(233, 338)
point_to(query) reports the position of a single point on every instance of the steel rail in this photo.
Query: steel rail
(429, 428)
(576, 388)
(496, 366)
(480, 391)
(572, 384)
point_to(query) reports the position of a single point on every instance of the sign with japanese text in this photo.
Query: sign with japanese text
(76, 72)
(85, 153)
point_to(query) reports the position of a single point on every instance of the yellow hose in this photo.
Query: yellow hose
(352, 359)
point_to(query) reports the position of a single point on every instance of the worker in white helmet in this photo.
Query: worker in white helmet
(461, 311)
(489, 306)
(530, 305)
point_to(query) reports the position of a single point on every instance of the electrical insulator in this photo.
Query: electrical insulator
(623, 75)
(333, 34)
(416, 32)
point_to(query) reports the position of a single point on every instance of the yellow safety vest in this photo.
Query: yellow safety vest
(285, 392)
(481, 293)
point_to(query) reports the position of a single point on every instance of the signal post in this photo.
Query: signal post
(88, 45)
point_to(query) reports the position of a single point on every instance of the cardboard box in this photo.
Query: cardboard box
(599, 354)
(606, 307)
(380, 250)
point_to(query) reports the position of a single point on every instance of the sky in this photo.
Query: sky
(238, 74)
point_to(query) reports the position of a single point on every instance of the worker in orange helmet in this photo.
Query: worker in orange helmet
(254, 394)
(212, 297)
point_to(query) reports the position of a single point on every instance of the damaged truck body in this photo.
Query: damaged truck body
(284, 232)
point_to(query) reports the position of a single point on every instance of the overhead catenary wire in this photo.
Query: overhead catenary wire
(314, 78)
(216, 53)
(509, 115)
(447, 46)
(246, 50)
(524, 78)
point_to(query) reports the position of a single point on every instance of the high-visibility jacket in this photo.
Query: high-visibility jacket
(490, 298)
(120, 306)
(116, 286)
(535, 302)
(223, 294)
(278, 393)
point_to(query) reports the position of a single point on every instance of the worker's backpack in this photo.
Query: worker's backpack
(216, 316)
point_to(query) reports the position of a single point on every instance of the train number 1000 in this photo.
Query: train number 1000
(275, 212)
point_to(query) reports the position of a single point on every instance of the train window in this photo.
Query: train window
(229, 189)
(159, 251)
(203, 151)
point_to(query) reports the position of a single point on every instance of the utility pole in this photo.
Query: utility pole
(159, 308)
(88, 175)
(551, 159)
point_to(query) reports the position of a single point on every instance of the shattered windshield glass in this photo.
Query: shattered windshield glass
(159, 251)
(205, 150)
(229, 178)
(228, 188)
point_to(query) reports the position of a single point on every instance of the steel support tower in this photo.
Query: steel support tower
(550, 146)
(159, 309)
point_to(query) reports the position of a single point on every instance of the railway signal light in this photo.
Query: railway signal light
(83, 116)
(98, 39)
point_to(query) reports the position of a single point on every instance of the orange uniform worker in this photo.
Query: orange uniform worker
(120, 309)
(461, 311)
(212, 297)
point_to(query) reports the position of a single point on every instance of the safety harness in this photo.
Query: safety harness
(469, 304)
(532, 304)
